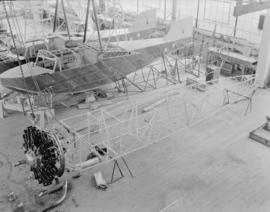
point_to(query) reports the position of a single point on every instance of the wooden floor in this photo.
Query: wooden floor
(212, 166)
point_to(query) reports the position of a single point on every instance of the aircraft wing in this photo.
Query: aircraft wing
(72, 81)
(108, 67)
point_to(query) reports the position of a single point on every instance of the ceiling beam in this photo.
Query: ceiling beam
(253, 6)
(19, 0)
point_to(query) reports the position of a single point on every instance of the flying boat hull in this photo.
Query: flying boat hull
(107, 68)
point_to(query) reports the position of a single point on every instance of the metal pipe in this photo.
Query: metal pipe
(87, 163)
(60, 200)
(86, 21)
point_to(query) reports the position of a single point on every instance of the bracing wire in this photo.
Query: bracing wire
(45, 92)
(17, 55)
(16, 24)
(11, 8)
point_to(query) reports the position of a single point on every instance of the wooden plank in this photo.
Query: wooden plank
(261, 135)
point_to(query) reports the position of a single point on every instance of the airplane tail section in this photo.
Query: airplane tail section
(180, 29)
(146, 20)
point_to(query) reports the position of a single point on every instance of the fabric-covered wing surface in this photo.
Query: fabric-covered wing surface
(72, 80)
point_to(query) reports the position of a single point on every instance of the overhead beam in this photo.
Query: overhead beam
(18, 0)
(253, 6)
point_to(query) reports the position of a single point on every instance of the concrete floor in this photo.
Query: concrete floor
(212, 166)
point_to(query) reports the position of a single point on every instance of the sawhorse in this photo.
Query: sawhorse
(248, 97)
(116, 164)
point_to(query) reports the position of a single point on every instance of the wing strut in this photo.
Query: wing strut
(97, 26)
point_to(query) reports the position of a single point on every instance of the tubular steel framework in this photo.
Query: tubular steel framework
(129, 126)
(171, 69)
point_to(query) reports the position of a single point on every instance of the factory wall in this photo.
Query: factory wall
(211, 13)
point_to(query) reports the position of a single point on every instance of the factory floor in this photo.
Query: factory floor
(212, 166)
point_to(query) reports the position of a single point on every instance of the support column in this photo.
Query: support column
(102, 5)
(2, 110)
(55, 15)
(86, 21)
(97, 25)
(263, 67)
(165, 10)
(137, 7)
(235, 26)
(174, 8)
(197, 15)
(65, 17)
